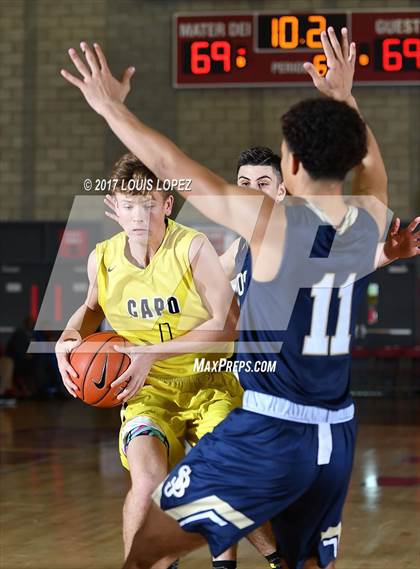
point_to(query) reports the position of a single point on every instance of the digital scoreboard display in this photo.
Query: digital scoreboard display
(268, 49)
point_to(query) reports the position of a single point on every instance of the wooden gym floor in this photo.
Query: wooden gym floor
(62, 490)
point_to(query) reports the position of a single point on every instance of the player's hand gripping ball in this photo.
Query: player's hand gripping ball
(98, 365)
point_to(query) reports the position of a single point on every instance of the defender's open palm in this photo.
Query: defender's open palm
(97, 84)
(403, 243)
(338, 81)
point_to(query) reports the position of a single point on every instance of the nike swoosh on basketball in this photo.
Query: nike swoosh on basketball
(101, 383)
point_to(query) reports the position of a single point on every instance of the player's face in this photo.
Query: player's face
(264, 178)
(142, 217)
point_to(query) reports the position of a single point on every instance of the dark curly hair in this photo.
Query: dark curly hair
(259, 156)
(328, 136)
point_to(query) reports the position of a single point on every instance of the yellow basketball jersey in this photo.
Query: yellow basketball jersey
(157, 303)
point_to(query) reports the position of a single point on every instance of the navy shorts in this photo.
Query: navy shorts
(253, 468)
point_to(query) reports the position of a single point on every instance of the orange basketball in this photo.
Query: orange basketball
(98, 365)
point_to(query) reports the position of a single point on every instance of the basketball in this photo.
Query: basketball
(98, 365)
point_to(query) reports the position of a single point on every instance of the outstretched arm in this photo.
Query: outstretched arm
(370, 178)
(229, 205)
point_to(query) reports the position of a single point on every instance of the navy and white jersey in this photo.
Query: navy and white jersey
(304, 319)
(243, 270)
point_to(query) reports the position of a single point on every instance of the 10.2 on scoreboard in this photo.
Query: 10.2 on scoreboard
(268, 49)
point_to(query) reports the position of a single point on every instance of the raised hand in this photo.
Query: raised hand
(338, 81)
(403, 243)
(97, 84)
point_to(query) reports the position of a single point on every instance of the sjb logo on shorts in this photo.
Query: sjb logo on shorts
(177, 485)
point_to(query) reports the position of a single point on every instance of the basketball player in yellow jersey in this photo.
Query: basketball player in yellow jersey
(158, 283)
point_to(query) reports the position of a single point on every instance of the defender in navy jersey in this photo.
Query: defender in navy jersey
(287, 459)
(306, 315)
(287, 454)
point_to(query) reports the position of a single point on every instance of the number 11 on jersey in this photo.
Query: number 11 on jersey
(318, 343)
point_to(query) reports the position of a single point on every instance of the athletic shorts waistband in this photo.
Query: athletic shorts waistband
(280, 408)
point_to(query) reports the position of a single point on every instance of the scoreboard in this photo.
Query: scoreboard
(268, 49)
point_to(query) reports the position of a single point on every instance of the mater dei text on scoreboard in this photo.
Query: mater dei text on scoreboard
(215, 29)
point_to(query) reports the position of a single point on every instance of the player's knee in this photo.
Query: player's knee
(145, 478)
(141, 471)
(141, 492)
